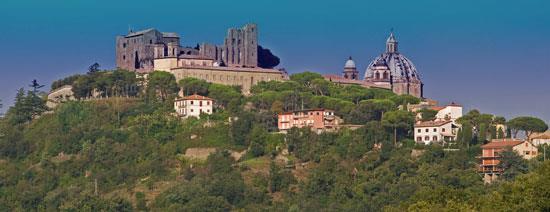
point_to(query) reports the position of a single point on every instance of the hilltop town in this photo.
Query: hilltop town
(222, 127)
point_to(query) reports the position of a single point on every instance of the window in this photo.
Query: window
(191, 110)
(123, 57)
(427, 138)
(150, 41)
(124, 45)
(435, 138)
(207, 102)
(317, 113)
(435, 129)
(418, 138)
(442, 129)
(526, 152)
(200, 103)
(427, 130)
(191, 102)
(419, 130)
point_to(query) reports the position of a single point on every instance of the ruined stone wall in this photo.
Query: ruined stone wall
(241, 47)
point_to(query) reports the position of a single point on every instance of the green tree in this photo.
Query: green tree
(241, 127)
(528, 125)
(266, 59)
(399, 120)
(428, 114)
(467, 134)
(482, 133)
(306, 78)
(405, 100)
(500, 133)
(26, 107)
(190, 86)
(161, 84)
(279, 179)
(93, 68)
(257, 139)
(512, 164)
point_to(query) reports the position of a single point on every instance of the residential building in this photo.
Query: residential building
(450, 112)
(491, 153)
(538, 139)
(428, 132)
(193, 105)
(318, 120)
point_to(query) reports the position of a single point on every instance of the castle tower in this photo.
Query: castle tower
(241, 47)
(350, 70)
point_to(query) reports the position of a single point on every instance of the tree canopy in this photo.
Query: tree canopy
(528, 125)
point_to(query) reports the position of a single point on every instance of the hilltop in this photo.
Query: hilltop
(125, 151)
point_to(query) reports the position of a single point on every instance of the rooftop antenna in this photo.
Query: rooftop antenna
(129, 29)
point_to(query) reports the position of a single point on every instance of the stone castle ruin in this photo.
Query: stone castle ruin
(137, 51)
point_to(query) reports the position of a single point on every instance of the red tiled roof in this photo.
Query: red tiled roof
(454, 104)
(306, 110)
(438, 108)
(431, 123)
(501, 143)
(195, 97)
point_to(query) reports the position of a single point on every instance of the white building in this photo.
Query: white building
(193, 105)
(435, 131)
(538, 139)
(451, 112)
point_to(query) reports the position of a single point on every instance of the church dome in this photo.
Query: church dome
(349, 63)
(400, 67)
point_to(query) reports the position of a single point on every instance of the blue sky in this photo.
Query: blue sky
(490, 55)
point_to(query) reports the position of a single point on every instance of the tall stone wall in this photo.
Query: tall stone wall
(244, 77)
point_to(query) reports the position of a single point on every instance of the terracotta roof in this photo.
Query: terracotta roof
(194, 97)
(501, 143)
(543, 136)
(438, 108)
(431, 123)
(454, 104)
(306, 110)
(537, 135)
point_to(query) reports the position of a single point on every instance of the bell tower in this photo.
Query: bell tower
(391, 44)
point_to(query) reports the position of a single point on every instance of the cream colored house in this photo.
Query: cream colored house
(435, 131)
(538, 139)
(193, 105)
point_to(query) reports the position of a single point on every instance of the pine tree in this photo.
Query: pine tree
(482, 134)
(467, 134)
(500, 133)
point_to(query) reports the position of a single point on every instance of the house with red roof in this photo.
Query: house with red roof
(318, 120)
(193, 105)
(428, 132)
(490, 155)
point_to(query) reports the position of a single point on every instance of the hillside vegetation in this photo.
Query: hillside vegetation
(127, 153)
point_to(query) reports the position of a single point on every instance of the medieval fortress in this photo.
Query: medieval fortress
(235, 62)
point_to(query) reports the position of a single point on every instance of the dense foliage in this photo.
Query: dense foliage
(125, 154)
